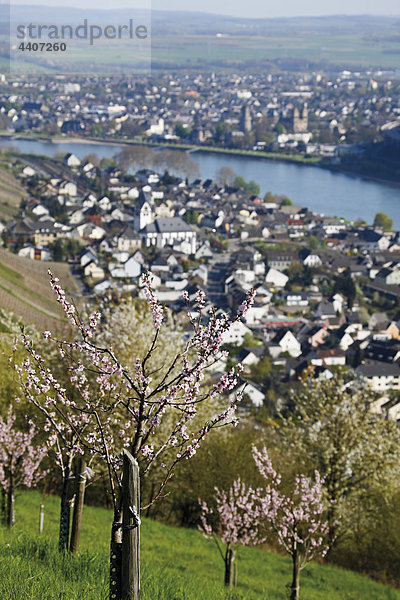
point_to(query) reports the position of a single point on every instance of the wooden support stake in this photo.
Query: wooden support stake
(115, 558)
(130, 564)
(41, 518)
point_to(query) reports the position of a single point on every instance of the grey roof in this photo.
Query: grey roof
(167, 225)
(379, 369)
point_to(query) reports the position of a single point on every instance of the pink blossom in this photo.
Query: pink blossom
(108, 407)
(298, 520)
(238, 516)
(20, 457)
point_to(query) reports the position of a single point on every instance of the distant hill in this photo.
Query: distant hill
(200, 40)
(198, 20)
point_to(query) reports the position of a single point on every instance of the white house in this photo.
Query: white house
(88, 256)
(102, 286)
(204, 251)
(67, 188)
(256, 314)
(346, 341)
(250, 390)
(288, 343)
(128, 240)
(28, 171)
(131, 268)
(255, 394)
(312, 260)
(93, 270)
(276, 278)
(338, 303)
(381, 376)
(284, 341)
(235, 334)
(39, 210)
(71, 160)
(105, 203)
(91, 231)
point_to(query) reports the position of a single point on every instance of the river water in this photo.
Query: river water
(323, 191)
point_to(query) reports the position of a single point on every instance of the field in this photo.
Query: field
(177, 564)
(345, 50)
(25, 289)
(349, 50)
(200, 40)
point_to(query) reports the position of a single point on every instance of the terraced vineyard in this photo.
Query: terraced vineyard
(11, 194)
(25, 290)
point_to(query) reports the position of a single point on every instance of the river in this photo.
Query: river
(325, 192)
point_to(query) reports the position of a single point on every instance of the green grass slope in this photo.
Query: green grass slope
(177, 564)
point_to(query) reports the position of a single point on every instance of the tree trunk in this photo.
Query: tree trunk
(130, 564)
(3, 505)
(332, 525)
(10, 504)
(80, 485)
(65, 511)
(229, 558)
(295, 589)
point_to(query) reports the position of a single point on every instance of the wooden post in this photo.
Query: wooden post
(80, 486)
(41, 518)
(130, 564)
(115, 557)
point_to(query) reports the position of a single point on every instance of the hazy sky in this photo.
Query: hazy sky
(242, 8)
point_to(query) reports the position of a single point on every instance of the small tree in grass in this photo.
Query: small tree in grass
(112, 408)
(20, 460)
(297, 520)
(234, 522)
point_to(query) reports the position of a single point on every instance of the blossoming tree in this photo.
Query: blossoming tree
(334, 428)
(20, 459)
(298, 520)
(235, 521)
(112, 407)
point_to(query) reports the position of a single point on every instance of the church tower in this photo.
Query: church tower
(300, 120)
(144, 211)
(245, 119)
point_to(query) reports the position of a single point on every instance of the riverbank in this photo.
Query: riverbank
(193, 148)
(324, 189)
(297, 159)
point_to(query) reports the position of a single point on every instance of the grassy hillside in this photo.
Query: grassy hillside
(11, 194)
(178, 564)
(25, 290)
